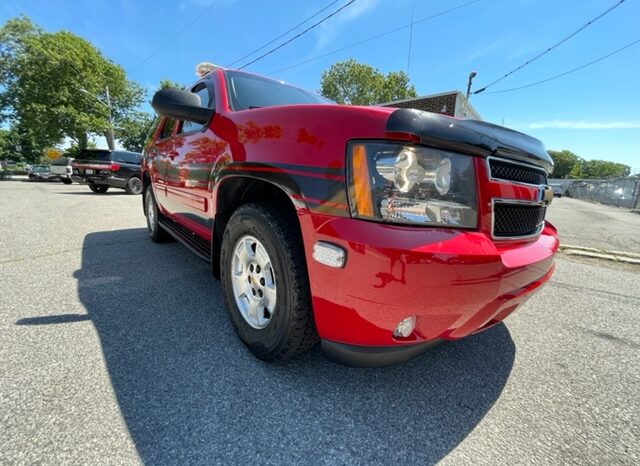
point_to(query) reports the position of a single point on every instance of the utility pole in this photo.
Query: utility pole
(111, 140)
(471, 76)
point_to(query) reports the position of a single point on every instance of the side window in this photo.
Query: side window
(167, 128)
(127, 157)
(206, 100)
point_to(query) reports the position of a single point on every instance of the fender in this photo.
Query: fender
(321, 190)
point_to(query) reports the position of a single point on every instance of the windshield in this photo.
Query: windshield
(61, 161)
(250, 91)
(94, 155)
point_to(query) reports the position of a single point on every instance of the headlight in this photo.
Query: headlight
(402, 183)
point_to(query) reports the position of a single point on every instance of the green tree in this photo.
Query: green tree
(16, 144)
(169, 84)
(564, 162)
(50, 84)
(603, 169)
(132, 132)
(350, 82)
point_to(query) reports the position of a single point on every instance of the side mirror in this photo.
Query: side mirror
(181, 105)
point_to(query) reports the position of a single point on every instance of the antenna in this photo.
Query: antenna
(410, 39)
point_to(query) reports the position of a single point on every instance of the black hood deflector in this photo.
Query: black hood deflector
(469, 136)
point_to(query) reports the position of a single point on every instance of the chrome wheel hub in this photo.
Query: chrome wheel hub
(253, 281)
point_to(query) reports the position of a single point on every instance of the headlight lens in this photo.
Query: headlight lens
(403, 183)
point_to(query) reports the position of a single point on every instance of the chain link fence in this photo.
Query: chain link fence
(623, 192)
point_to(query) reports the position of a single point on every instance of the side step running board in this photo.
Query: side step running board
(199, 246)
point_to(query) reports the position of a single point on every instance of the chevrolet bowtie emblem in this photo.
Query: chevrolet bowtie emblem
(545, 194)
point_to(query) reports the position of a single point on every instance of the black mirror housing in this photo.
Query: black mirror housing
(181, 105)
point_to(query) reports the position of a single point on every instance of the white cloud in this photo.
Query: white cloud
(577, 124)
(327, 31)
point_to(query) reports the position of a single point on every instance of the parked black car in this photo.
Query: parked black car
(40, 172)
(104, 169)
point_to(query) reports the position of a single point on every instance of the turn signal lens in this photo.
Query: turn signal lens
(361, 181)
(329, 254)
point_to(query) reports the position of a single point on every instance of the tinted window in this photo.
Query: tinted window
(104, 155)
(126, 157)
(167, 128)
(61, 161)
(250, 91)
(205, 101)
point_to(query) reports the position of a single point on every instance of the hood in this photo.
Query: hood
(469, 136)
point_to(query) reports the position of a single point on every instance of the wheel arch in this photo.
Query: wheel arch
(235, 191)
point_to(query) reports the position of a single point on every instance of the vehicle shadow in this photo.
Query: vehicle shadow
(111, 192)
(190, 392)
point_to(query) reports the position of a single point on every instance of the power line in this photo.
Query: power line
(377, 36)
(566, 72)
(170, 39)
(557, 44)
(283, 34)
(298, 35)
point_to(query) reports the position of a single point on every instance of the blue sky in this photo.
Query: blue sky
(593, 112)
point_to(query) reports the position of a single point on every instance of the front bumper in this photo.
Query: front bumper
(455, 283)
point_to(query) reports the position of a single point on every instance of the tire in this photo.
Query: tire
(134, 185)
(156, 232)
(98, 188)
(288, 329)
(66, 181)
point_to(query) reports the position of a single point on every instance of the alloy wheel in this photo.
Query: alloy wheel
(254, 282)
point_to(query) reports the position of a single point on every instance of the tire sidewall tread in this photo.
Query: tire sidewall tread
(291, 330)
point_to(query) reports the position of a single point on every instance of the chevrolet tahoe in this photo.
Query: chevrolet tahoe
(376, 231)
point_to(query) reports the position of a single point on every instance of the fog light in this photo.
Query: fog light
(405, 327)
(329, 254)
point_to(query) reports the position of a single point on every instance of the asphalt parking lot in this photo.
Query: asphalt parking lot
(117, 350)
(593, 225)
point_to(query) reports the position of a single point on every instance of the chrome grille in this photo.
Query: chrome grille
(512, 171)
(517, 220)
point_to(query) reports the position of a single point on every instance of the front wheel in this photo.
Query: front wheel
(134, 185)
(66, 181)
(98, 188)
(264, 274)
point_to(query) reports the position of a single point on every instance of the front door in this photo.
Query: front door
(158, 156)
(190, 165)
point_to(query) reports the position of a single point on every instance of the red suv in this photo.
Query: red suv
(377, 231)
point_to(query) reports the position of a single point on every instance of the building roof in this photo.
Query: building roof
(451, 103)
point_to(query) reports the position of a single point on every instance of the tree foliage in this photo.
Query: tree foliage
(132, 132)
(569, 165)
(602, 169)
(564, 162)
(51, 85)
(350, 82)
